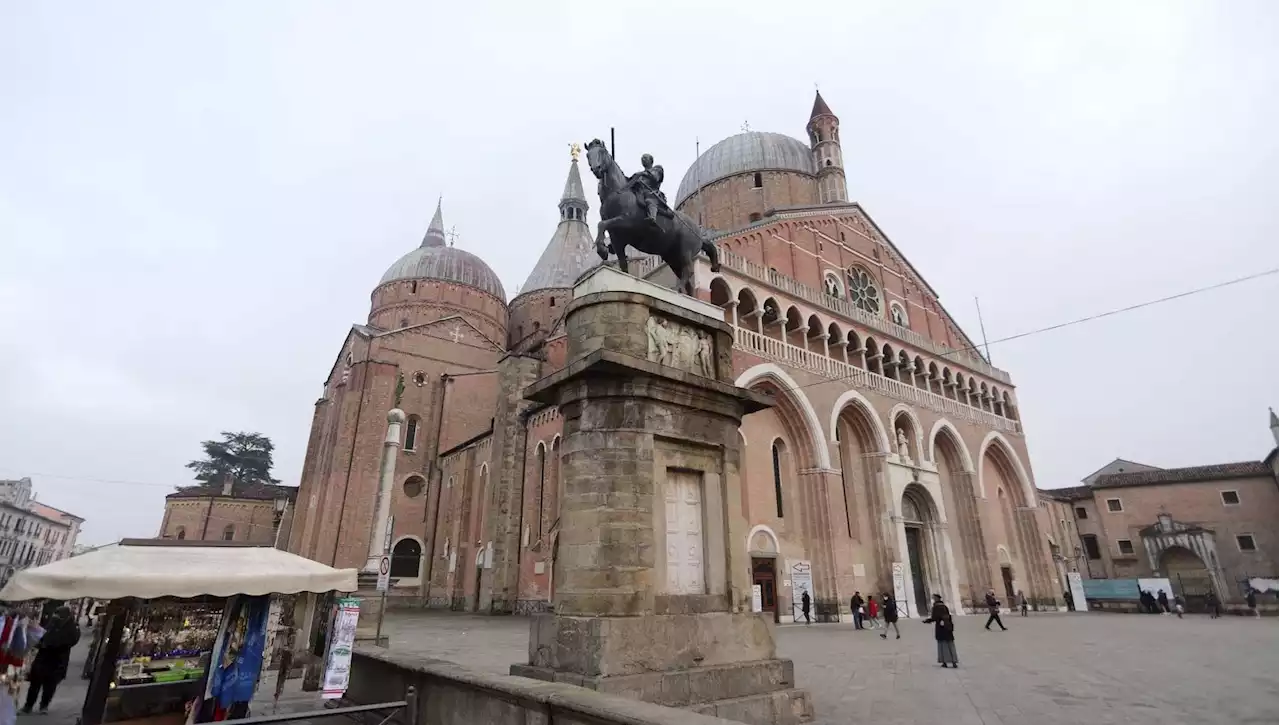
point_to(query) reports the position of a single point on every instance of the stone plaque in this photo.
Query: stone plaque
(681, 347)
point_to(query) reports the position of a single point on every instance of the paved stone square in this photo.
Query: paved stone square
(1073, 669)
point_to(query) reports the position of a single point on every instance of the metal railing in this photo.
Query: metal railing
(408, 706)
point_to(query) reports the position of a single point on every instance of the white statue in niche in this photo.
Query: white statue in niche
(704, 360)
(904, 450)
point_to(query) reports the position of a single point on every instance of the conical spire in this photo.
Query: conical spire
(820, 107)
(571, 250)
(435, 230)
(573, 197)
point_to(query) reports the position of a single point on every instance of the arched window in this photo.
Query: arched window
(182, 533)
(754, 217)
(777, 477)
(413, 288)
(411, 433)
(864, 291)
(758, 180)
(229, 533)
(404, 322)
(406, 559)
(542, 483)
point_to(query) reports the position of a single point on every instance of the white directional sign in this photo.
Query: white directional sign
(384, 573)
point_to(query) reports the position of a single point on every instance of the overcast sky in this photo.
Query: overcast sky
(196, 199)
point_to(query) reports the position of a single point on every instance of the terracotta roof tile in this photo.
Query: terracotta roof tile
(1219, 471)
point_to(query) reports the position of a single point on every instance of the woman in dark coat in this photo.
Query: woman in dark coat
(944, 631)
(50, 665)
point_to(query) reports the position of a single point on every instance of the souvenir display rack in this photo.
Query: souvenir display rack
(164, 652)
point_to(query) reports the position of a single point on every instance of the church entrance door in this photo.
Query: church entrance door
(914, 554)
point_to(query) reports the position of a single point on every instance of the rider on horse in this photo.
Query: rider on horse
(647, 185)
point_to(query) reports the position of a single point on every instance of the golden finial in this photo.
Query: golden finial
(574, 150)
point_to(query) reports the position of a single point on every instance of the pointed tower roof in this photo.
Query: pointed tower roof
(435, 230)
(573, 186)
(571, 250)
(820, 107)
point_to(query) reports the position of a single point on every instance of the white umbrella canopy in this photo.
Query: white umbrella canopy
(150, 569)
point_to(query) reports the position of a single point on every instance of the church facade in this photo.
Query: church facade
(893, 459)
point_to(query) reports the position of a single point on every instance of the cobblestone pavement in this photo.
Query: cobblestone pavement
(1073, 669)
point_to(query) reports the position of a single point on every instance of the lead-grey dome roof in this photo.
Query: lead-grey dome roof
(449, 264)
(750, 151)
(435, 260)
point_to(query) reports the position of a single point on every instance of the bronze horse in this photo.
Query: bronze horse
(676, 238)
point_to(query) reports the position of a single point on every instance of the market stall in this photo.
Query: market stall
(183, 635)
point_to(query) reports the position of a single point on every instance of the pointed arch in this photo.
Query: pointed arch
(854, 398)
(942, 424)
(915, 436)
(996, 439)
(790, 390)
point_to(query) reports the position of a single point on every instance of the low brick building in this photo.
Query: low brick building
(252, 513)
(1205, 528)
(894, 453)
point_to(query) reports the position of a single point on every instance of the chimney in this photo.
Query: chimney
(227, 484)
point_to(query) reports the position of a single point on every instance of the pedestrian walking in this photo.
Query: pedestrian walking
(1215, 607)
(1022, 602)
(50, 664)
(856, 604)
(873, 612)
(944, 631)
(1179, 606)
(1070, 600)
(993, 607)
(890, 610)
(1163, 599)
(1251, 599)
(805, 601)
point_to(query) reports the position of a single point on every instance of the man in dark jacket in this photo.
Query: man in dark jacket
(856, 604)
(889, 609)
(805, 603)
(993, 606)
(50, 665)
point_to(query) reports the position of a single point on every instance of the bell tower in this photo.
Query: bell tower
(824, 139)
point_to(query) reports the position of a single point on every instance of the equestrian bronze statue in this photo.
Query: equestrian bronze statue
(634, 212)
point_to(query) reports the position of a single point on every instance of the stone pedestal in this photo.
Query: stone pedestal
(652, 589)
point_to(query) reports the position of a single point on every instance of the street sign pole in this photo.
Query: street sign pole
(384, 578)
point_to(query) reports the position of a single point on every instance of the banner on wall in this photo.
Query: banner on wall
(757, 598)
(900, 588)
(337, 671)
(1076, 584)
(801, 579)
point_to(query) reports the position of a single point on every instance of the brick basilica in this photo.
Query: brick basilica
(893, 459)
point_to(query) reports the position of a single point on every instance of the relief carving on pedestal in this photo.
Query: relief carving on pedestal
(680, 347)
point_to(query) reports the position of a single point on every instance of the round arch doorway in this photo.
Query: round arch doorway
(918, 523)
(1188, 576)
